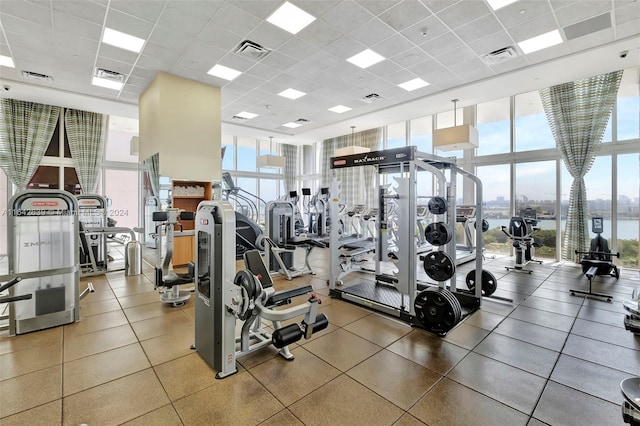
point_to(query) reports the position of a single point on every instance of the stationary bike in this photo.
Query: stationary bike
(597, 261)
(520, 231)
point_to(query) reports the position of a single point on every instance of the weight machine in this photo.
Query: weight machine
(521, 230)
(437, 307)
(630, 388)
(230, 307)
(44, 258)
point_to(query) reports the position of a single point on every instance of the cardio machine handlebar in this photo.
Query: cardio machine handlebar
(524, 237)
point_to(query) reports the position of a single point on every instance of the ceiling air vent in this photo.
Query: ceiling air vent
(302, 121)
(500, 55)
(238, 119)
(371, 98)
(109, 75)
(30, 75)
(251, 50)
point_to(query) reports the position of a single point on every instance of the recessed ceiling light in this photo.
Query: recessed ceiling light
(109, 84)
(414, 84)
(366, 58)
(291, 94)
(497, 4)
(541, 42)
(122, 40)
(291, 125)
(6, 61)
(290, 18)
(223, 72)
(247, 115)
(340, 109)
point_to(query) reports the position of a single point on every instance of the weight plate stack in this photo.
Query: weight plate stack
(438, 233)
(439, 266)
(489, 282)
(437, 310)
(437, 205)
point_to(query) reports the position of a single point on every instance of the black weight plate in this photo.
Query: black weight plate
(437, 205)
(489, 282)
(485, 225)
(438, 233)
(439, 266)
(437, 310)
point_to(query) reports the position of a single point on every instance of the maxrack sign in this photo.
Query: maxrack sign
(374, 158)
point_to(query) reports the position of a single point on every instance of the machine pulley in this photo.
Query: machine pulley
(439, 266)
(437, 310)
(438, 233)
(438, 205)
(489, 282)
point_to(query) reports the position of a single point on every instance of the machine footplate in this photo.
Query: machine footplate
(379, 293)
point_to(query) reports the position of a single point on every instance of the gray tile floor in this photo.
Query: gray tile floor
(547, 358)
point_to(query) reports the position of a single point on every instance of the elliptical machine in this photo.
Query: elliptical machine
(520, 231)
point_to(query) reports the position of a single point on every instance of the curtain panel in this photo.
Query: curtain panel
(86, 132)
(26, 129)
(290, 153)
(578, 113)
(357, 184)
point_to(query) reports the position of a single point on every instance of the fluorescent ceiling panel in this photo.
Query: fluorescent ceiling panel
(223, 72)
(291, 125)
(290, 18)
(291, 94)
(414, 84)
(540, 42)
(109, 84)
(340, 109)
(122, 40)
(6, 61)
(497, 4)
(366, 58)
(247, 115)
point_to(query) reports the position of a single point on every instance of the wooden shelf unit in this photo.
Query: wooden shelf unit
(183, 250)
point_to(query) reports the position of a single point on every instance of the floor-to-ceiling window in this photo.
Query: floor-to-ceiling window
(628, 223)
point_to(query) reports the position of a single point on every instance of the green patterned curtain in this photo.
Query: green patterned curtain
(290, 153)
(86, 132)
(578, 113)
(357, 184)
(25, 132)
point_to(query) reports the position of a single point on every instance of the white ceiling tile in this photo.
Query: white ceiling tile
(540, 25)
(181, 21)
(463, 12)
(400, 77)
(378, 6)
(583, 10)
(629, 12)
(260, 8)
(120, 55)
(199, 8)
(236, 62)
(455, 56)
(442, 44)
(443, 79)
(142, 9)
(4, 50)
(23, 27)
(384, 68)
(345, 47)
(627, 29)
(591, 40)
(43, 45)
(81, 28)
(392, 46)
(142, 72)
(480, 28)
(112, 65)
(319, 33)
(248, 80)
(89, 11)
(235, 20)
(82, 45)
(128, 24)
(510, 65)
(187, 72)
(410, 57)
(548, 53)
(263, 71)
(169, 38)
(269, 35)
(297, 48)
(201, 56)
(472, 70)
(138, 81)
(37, 13)
(154, 63)
(25, 54)
(347, 15)
(158, 51)
(437, 5)
(522, 11)
(314, 7)
(426, 67)
(493, 42)
(279, 61)
(321, 60)
(219, 37)
(371, 32)
(405, 14)
(433, 27)
(128, 97)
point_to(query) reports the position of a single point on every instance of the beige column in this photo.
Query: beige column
(180, 119)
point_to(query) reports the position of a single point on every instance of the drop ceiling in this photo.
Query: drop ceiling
(442, 42)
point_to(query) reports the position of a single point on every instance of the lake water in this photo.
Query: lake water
(627, 229)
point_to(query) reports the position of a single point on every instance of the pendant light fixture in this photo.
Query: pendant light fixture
(453, 138)
(353, 148)
(269, 161)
